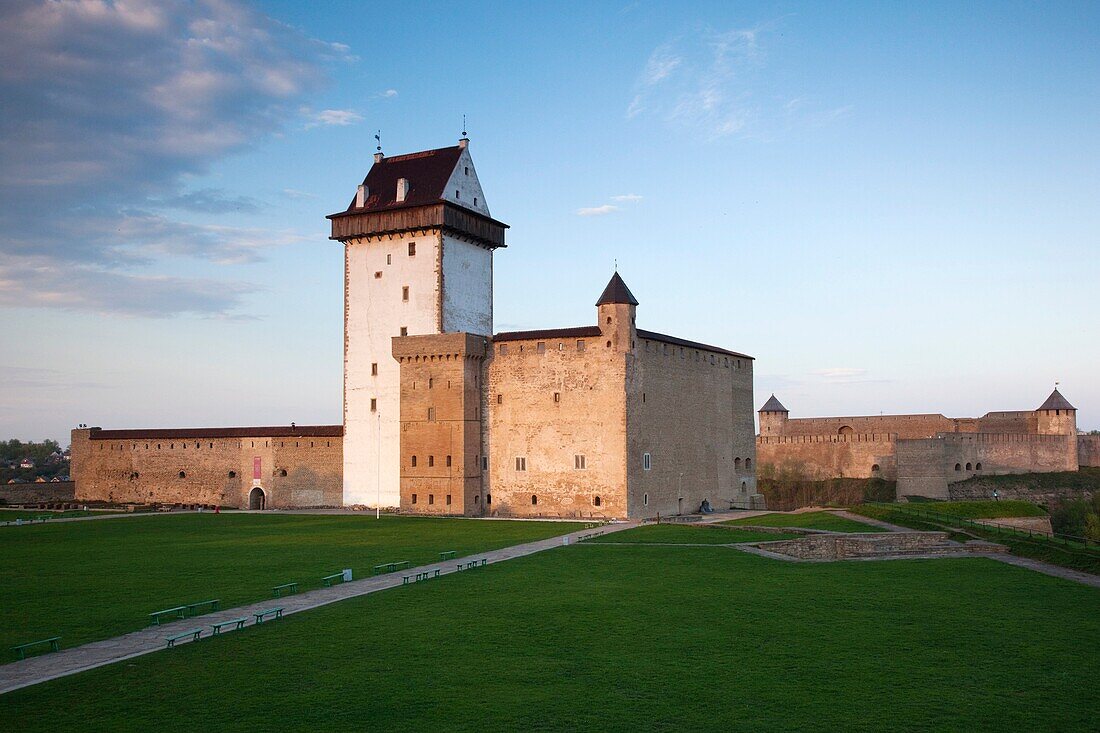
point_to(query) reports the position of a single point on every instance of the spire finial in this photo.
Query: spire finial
(378, 139)
(616, 264)
(463, 125)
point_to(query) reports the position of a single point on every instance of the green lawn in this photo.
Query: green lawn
(91, 580)
(806, 520)
(985, 509)
(629, 638)
(665, 534)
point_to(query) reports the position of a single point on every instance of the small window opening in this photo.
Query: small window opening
(378, 275)
(232, 474)
(405, 293)
(412, 249)
(521, 463)
(183, 475)
(414, 498)
(579, 462)
(748, 464)
(282, 472)
(580, 346)
(404, 330)
(374, 369)
(557, 397)
(540, 347)
(647, 461)
(448, 461)
(500, 399)
(448, 499)
(431, 498)
(958, 467)
(374, 404)
(414, 461)
(596, 501)
(534, 499)
(978, 467)
(431, 461)
(645, 499)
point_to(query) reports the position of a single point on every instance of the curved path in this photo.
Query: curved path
(99, 653)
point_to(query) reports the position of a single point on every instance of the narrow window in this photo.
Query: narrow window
(500, 399)
(737, 464)
(431, 381)
(643, 397)
(557, 397)
(609, 320)
(485, 463)
(609, 344)
(374, 404)
(431, 498)
(457, 194)
(412, 249)
(404, 330)
(978, 467)
(645, 499)
(475, 200)
(580, 345)
(374, 369)
(534, 499)
(958, 467)
(414, 498)
(466, 170)
(579, 462)
(389, 259)
(647, 461)
(521, 464)
(448, 499)
(748, 464)
(969, 467)
(414, 461)
(488, 498)
(540, 347)
(431, 461)
(405, 293)
(448, 461)
(596, 501)
(503, 349)
(744, 487)
(431, 414)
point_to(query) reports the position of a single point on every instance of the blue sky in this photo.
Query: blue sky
(893, 208)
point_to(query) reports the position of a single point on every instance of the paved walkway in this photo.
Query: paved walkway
(873, 522)
(99, 653)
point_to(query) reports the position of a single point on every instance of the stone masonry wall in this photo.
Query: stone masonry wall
(215, 470)
(550, 405)
(691, 410)
(1088, 450)
(831, 456)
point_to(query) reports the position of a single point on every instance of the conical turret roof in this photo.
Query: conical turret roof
(617, 292)
(773, 405)
(1057, 402)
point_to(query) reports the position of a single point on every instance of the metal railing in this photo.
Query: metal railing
(1064, 541)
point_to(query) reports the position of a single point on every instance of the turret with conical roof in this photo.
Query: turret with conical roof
(617, 308)
(1056, 416)
(773, 417)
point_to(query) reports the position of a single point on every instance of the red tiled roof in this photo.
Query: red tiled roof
(277, 431)
(427, 173)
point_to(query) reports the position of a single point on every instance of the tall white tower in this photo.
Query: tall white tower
(418, 259)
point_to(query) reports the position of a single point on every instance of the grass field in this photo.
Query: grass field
(629, 638)
(96, 579)
(675, 534)
(986, 509)
(805, 520)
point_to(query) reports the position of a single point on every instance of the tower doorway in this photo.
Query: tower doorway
(257, 499)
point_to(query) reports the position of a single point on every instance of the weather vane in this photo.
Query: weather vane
(463, 125)
(378, 139)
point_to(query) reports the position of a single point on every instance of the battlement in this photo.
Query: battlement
(827, 438)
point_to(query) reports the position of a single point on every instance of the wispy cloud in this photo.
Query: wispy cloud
(293, 193)
(109, 108)
(388, 94)
(332, 118)
(627, 198)
(712, 83)
(597, 210)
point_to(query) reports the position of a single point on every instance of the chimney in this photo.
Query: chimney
(378, 157)
(402, 188)
(464, 142)
(361, 196)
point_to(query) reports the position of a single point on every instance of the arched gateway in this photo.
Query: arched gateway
(257, 499)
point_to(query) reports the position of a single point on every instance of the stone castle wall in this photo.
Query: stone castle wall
(551, 401)
(296, 471)
(855, 455)
(1088, 450)
(691, 411)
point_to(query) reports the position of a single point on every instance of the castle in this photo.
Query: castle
(440, 415)
(925, 454)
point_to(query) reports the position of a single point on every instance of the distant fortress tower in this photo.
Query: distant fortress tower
(418, 260)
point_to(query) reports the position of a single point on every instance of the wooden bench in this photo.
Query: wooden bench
(193, 633)
(405, 579)
(427, 574)
(448, 554)
(179, 611)
(53, 641)
(214, 603)
(390, 567)
(288, 587)
(328, 580)
(237, 622)
(273, 612)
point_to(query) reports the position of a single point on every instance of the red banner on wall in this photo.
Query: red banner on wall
(257, 467)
